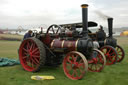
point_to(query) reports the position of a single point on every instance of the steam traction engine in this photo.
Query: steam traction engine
(111, 41)
(108, 45)
(55, 47)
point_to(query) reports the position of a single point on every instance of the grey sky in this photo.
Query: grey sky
(36, 12)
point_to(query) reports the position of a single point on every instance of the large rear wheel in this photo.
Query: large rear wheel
(32, 54)
(75, 65)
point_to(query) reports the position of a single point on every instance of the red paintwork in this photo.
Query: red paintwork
(70, 45)
(73, 66)
(110, 54)
(46, 39)
(29, 55)
(56, 43)
(96, 64)
(69, 33)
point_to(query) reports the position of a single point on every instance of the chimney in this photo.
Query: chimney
(85, 19)
(110, 26)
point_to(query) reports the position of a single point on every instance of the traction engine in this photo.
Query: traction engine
(108, 45)
(55, 47)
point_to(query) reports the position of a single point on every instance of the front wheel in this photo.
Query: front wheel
(75, 65)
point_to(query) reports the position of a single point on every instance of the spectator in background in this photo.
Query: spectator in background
(101, 35)
(101, 27)
(28, 34)
(95, 44)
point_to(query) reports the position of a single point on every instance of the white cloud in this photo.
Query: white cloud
(35, 12)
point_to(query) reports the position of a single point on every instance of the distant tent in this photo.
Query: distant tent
(124, 33)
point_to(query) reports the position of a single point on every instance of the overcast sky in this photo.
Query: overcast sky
(26, 13)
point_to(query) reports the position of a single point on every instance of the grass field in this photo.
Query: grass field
(11, 36)
(111, 75)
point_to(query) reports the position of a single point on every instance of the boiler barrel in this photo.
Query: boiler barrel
(69, 45)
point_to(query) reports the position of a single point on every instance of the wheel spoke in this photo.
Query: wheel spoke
(69, 60)
(75, 72)
(28, 60)
(74, 58)
(31, 46)
(24, 57)
(110, 59)
(35, 50)
(109, 51)
(91, 65)
(117, 49)
(70, 65)
(53, 30)
(57, 30)
(100, 59)
(82, 71)
(81, 64)
(25, 50)
(28, 45)
(99, 65)
(80, 61)
(118, 58)
(25, 53)
(120, 54)
(104, 51)
(34, 61)
(112, 53)
(36, 56)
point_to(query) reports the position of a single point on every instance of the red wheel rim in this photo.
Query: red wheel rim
(110, 54)
(74, 66)
(29, 55)
(96, 64)
(120, 53)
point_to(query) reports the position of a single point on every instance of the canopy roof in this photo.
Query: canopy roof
(79, 25)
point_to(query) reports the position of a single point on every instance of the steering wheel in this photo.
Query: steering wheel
(54, 29)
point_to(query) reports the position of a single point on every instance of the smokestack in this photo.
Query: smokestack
(85, 19)
(110, 26)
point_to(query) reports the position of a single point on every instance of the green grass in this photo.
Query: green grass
(14, 75)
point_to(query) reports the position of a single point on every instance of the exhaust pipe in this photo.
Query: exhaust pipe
(110, 26)
(85, 19)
